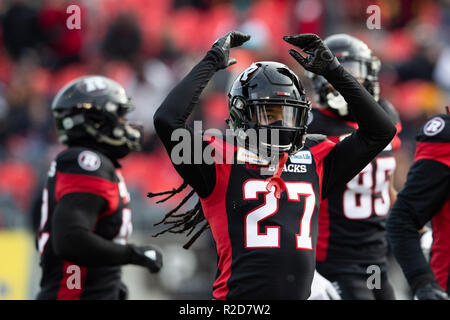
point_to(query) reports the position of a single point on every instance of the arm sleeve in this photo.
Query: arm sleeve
(424, 193)
(73, 222)
(375, 131)
(173, 114)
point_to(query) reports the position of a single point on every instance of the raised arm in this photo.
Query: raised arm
(375, 131)
(179, 104)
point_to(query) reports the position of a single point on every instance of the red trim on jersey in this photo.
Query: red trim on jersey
(440, 250)
(396, 142)
(333, 139)
(66, 293)
(214, 209)
(221, 146)
(70, 183)
(324, 231)
(438, 151)
(319, 152)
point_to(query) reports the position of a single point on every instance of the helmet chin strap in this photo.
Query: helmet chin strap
(104, 138)
(120, 142)
(337, 102)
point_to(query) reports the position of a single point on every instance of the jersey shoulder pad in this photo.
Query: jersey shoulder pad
(222, 148)
(319, 145)
(390, 110)
(314, 139)
(85, 161)
(436, 129)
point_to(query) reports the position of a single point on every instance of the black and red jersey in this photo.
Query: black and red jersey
(352, 219)
(81, 170)
(425, 197)
(266, 246)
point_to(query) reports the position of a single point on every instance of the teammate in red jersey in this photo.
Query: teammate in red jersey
(425, 197)
(265, 229)
(352, 219)
(85, 216)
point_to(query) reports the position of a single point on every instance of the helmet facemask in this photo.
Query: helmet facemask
(106, 125)
(268, 99)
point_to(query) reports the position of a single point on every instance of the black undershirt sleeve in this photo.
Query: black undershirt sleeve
(73, 236)
(375, 131)
(173, 114)
(424, 193)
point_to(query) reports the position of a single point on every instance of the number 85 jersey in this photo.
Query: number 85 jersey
(265, 245)
(352, 219)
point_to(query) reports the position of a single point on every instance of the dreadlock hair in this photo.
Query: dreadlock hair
(180, 223)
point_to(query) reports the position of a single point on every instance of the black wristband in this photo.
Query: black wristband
(421, 280)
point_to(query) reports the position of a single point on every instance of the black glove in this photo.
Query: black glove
(230, 40)
(320, 58)
(430, 291)
(147, 256)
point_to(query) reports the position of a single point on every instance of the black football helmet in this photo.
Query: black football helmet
(268, 95)
(91, 110)
(356, 57)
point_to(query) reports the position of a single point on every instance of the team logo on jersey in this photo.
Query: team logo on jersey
(247, 156)
(434, 126)
(89, 160)
(302, 157)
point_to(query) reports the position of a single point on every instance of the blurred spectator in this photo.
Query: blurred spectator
(123, 39)
(20, 29)
(62, 45)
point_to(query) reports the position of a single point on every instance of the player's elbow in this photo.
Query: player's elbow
(62, 248)
(161, 121)
(392, 132)
(66, 246)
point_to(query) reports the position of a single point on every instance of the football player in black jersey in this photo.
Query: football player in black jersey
(265, 228)
(85, 216)
(425, 197)
(352, 219)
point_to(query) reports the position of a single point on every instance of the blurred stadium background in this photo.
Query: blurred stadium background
(147, 46)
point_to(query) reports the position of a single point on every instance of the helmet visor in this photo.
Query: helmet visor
(356, 68)
(279, 115)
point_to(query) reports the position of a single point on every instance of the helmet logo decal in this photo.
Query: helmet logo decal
(248, 72)
(434, 126)
(89, 160)
(93, 84)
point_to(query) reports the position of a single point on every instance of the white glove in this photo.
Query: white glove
(322, 289)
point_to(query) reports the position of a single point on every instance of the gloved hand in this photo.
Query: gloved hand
(322, 289)
(147, 256)
(231, 40)
(430, 291)
(320, 59)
